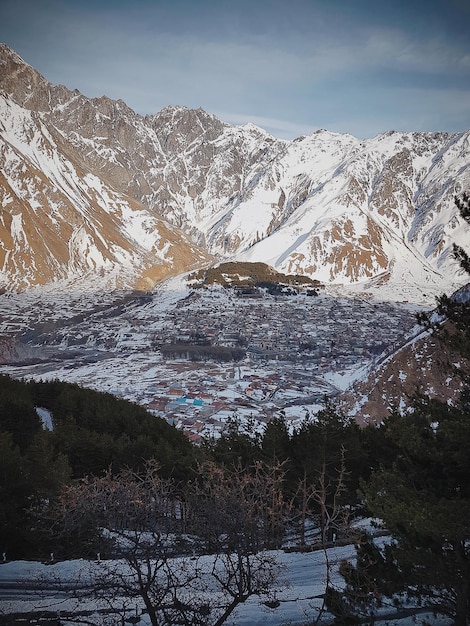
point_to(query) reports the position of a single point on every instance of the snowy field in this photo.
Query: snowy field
(30, 587)
(299, 597)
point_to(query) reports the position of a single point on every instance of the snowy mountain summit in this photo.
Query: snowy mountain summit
(90, 188)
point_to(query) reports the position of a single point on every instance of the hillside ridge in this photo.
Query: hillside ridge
(112, 193)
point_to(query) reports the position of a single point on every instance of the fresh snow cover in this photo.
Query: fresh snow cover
(413, 269)
(114, 348)
(375, 215)
(304, 574)
(301, 585)
(62, 199)
(345, 378)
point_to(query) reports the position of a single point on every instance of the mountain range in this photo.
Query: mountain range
(92, 191)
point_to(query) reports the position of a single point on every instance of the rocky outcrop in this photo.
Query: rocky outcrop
(12, 351)
(424, 364)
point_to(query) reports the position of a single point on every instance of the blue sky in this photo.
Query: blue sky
(289, 66)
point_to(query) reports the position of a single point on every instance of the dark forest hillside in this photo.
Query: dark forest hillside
(92, 432)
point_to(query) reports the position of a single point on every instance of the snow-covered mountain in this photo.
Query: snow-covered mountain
(60, 219)
(87, 185)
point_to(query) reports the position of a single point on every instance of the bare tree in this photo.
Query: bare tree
(327, 494)
(138, 516)
(182, 560)
(240, 514)
(320, 498)
(333, 517)
(301, 506)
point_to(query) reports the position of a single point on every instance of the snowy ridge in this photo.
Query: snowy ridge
(421, 363)
(372, 215)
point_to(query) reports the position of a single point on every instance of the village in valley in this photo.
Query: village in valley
(201, 357)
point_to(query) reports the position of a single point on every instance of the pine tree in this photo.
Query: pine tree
(423, 498)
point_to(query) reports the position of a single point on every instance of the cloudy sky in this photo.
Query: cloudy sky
(289, 66)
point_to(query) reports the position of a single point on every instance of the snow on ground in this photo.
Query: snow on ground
(302, 583)
(299, 599)
(299, 349)
(46, 418)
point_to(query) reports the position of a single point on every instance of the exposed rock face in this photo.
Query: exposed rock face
(425, 365)
(88, 185)
(61, 220)
(13, 351)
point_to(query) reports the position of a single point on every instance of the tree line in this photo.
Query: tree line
(92, 432)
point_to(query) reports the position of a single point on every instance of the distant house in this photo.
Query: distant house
(192, 436)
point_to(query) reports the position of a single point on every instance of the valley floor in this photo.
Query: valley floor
(296, 349)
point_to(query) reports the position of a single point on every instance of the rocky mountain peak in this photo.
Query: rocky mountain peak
(21, 82)
(375, 214)
(178, 127)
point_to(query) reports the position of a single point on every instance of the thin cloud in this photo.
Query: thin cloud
(397, 50)
(287, 67)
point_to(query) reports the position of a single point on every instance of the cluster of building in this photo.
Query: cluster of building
(289, 344)
(324, 331)
(200, 357)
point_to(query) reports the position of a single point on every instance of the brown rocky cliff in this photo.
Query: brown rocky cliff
(425, 365)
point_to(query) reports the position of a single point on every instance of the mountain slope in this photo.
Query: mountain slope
(384, 212)
(59, 220)
(423, 363)
(118, 190)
